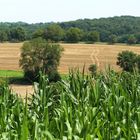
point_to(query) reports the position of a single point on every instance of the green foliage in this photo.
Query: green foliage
(122, 27)
(138, 62)
(54, 76)
(93, 69)
(37, 55)
(54, 33)
(38, 33)
(127, 60)
(123, 38)
(3, 36)
(3, 81)
(17, 34)
(81, 107)
(112, 39)
(73, 35)
(93, 37)
(137, 37)
(131, 40)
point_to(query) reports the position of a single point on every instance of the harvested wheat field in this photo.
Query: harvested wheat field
(74, 55)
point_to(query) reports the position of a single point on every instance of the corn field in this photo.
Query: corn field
(81, 107)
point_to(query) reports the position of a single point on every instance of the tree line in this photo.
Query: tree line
(124, 29)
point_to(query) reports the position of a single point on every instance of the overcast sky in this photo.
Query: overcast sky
(33, 11)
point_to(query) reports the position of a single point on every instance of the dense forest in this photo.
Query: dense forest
(124, 29)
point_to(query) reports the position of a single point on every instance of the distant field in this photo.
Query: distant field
(74, 55)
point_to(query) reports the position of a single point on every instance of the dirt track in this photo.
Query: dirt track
(74, 55)
(22, 89)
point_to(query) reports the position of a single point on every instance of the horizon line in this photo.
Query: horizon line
(26, 22)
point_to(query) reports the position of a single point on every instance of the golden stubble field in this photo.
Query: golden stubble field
(74, 55)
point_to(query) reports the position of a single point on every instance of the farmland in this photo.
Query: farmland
(74, 55)
(65, 75)
(78, 107)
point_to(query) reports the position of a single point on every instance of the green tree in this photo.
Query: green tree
(131, 40)
(54, 33)
(123, 38)
(137, 37)
(93, 36)
(38, 33)
(3, 36)
(18, 34)
(127, 60)
(74, 35)
(37, 55)
(112, 39)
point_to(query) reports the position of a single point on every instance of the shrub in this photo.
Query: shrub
(37, 55)
(93, 69)
(127, 60)
(54, 76)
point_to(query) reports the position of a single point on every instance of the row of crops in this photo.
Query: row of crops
(81, 107)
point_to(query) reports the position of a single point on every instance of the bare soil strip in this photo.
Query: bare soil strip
(22, 90)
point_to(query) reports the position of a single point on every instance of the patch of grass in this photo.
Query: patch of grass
(11, 73)
(13, 77)
(17, 77)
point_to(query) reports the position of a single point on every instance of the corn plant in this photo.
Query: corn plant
(81, 107)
